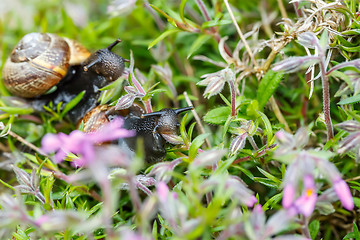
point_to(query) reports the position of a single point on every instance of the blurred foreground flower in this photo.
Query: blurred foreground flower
(301, 171)
(83, 144)
(254, 226)
(121, 7)
(163, 170)
(175, 211)
(233, 186)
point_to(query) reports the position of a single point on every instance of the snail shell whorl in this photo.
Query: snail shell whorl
(37, 63)
(95, 119)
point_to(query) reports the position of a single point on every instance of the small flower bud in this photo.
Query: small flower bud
(208, 158)
(125, 102)
(349, 126)
(308, 39)
(294, 64)
(237, 144)
(214, 88)
(172, 138)
(131, 90)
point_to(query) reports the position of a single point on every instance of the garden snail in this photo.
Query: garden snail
(152, 127)
(41, 61)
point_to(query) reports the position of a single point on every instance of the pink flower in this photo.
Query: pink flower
(162, 191)
(343, 192)
(288, 196)
(305, 204)
(83, 144)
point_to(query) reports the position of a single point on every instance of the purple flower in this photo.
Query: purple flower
(162, 191)
(305, 204)
(288, 195)
(259, 228)
(83, 144)
(302, 167)
(343, 192)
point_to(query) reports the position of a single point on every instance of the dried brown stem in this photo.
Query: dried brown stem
(30, 145)
(247, 47)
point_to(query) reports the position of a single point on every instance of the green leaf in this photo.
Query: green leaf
(350, 100)
(16, 110)
(196, 144)
(155, 230)
(182, 10)
(183, 132)
(162, 36)
(353, 235)
(268, 128)
(170, 19)
(350, 49)
(198, 43)
(356, 232)
(356, 201)
(266, 182)
(218, 115)
(314, 228)
(269, 176)
(247, 172)
(215, 23)
(272, 201)
(73, 103)
(268, 86)
(351, 32)
(324, 39)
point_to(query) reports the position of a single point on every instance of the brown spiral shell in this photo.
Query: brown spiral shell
(39, 61)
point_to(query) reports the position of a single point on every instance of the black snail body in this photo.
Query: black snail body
(150, 127)
(41, 61)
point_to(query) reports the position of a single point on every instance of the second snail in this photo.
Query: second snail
(46, 68)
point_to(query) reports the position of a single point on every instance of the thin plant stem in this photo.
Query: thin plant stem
(203, 9)
(326, 99)
(297, 9)
(278, 113)
(247, 47)
(253, 143)
(143, 188)
(214, 30)
(305, 227)
(108, 205)
(282, 9)
(258, 154)
(30, 145)
(233, 98)
(134, 196)
(137, 85)
(161, 25)
(353, 63)
(197, 118)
